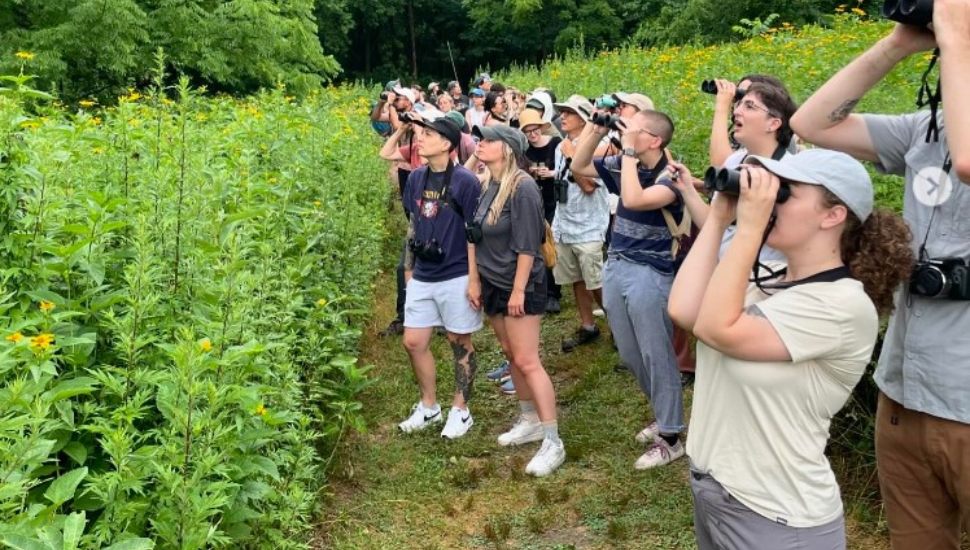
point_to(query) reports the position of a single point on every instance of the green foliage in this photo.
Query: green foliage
(750, 29)
(181, 285)
(239, 45)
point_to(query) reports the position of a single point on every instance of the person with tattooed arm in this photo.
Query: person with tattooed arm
(923, 416)
(439, 196)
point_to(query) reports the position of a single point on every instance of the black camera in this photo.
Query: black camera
(428, 251)
(384, 96)
(473, 232)
(947, 278)
(728, 181)
(608, 120)
(710, 87)
(909, 12)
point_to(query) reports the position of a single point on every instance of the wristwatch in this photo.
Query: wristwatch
(629, 152)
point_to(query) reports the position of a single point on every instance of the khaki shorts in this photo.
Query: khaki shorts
(579, 262)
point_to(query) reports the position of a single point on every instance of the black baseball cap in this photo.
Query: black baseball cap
(447, 128)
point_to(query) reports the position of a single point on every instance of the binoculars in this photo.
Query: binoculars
(728, 181)
(909, 12)
(710, 87)
(607, 121)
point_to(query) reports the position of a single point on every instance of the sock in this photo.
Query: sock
(671, 439)
(551, 429)
(589, 328)
(527, 409)
(433, 408)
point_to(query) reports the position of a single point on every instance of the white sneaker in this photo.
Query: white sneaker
(459, 420)
(648, 434)
(525, 430)
(421, 417)
(660, 453)
(550, 456)
(599, 313)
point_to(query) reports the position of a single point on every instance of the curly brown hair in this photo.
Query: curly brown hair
(877, 252)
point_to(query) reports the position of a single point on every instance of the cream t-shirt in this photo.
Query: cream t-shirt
(760, 428)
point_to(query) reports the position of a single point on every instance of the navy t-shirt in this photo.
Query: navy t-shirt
(437, 219)
(641, 236)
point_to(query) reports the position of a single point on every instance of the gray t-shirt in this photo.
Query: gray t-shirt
(519, 230)
(925, 360)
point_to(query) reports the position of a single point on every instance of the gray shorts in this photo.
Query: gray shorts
(721, 522)
(441, 304)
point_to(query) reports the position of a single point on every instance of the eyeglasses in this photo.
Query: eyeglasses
(749, 105)
(532, 131)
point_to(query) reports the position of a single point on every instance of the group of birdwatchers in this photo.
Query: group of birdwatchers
(776, 261)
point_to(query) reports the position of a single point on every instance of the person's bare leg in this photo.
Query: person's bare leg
(501, 332)
(523, 336)
(584, 303)
(417, 342)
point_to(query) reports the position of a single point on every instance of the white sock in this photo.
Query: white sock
(551, 429)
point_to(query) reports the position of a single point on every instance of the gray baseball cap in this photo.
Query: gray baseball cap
(841, 174)
(500, 132)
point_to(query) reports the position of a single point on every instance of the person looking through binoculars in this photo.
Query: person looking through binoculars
(923, 416)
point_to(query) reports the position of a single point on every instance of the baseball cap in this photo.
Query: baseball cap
(391, 84)
(406, 92)
(577, 104)
(639, 101)
(500, 132)
(458, 119)
(477, 91)
(841, 174)
(444, 126)
(482, 78)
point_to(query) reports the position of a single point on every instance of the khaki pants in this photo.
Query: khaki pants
(924, 475)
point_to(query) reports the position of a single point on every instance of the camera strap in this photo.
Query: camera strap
(927, 96)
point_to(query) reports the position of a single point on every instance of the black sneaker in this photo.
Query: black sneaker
(583, 336)
(686, 379)
(552, 305)
(395, 327)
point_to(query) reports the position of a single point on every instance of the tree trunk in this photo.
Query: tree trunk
(414, 50)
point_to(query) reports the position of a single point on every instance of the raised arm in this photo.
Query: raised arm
(720, 147)
(951, 19)
(589, 140)
(825, 119)
(390, 149)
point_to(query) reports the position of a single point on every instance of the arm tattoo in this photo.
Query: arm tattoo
(754, 311)
(842, 111)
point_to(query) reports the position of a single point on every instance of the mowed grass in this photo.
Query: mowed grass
(391, 490)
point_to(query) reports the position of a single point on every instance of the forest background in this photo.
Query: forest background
(238, 46)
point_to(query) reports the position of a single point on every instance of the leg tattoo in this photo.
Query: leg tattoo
(465, 367)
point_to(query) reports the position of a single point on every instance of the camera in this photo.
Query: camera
(406, 117)
(428, 251)
(728, 181)
(473, 232)
(710, 87)
(909, 12)
(384, 96)
(607, 120)
(947, 278)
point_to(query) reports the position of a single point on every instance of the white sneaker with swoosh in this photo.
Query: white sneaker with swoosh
(459, 420)
(421, 417)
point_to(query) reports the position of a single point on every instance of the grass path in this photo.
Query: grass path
(394, 491)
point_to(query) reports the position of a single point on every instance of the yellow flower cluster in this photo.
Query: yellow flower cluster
(25, 56)
(205, 344)
(42, 341)
(47, 306)
(15, 337)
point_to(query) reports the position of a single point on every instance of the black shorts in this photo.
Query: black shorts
(495, 300)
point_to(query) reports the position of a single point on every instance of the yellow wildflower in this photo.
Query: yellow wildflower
(15, 337)
(133, 96)
(26, 56)
(859, 12)
(42, 341)
(317, 203)
(46, 306)
(321, 302)
(87, 103)
(260, 410)
(95, 121)
(205, 344)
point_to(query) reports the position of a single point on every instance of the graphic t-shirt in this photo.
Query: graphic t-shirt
(545, 155)
(435, 219)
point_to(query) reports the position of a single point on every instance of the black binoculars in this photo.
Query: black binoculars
(909, 12)
(710, 87)
(406, 117)
(608, 120)
(728, 181)
(428, 251)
